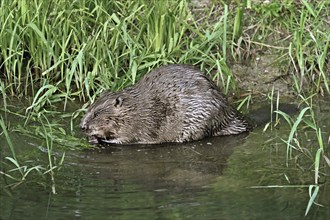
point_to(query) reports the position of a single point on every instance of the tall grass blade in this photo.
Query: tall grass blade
(292, 132)
(312, 195)
(10, 144)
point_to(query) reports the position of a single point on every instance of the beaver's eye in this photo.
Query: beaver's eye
(96, 114)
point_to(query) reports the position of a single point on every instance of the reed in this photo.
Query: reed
(295, 145)
(18, 173)
(82, 48)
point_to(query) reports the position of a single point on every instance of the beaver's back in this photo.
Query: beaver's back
(178, 79)
(194, 106)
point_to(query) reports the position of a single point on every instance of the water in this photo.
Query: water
(208, 179)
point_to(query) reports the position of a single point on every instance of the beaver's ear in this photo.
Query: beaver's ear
(118, 101)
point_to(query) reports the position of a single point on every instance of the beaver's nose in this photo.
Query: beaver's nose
(83, 126)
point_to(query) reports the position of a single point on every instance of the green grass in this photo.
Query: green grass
(316, 157)
(58, 51)
(81, 48)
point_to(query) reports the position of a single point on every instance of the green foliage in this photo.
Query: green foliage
(306, 120)
(12, 168)
(81, 48)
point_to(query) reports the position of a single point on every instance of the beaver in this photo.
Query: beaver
(173, 103)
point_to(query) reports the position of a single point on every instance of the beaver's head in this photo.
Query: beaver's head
(102, 120)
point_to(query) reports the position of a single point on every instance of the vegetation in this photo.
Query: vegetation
(58, 51)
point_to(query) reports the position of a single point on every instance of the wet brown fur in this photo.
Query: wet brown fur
(174, 103)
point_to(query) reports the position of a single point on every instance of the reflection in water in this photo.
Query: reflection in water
(182, 166)
(129, 181)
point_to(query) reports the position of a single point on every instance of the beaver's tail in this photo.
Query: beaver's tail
(263, 115)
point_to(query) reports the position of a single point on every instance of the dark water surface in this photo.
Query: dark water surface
(209, 179)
